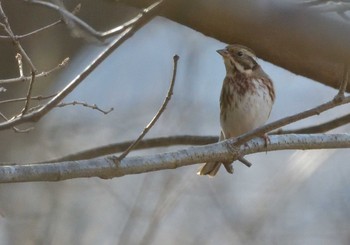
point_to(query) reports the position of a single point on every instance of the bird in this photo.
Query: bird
(246, 98)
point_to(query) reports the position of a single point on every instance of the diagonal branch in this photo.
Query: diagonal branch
(320, 128)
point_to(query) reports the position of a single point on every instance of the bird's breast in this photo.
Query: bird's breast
(244, 109)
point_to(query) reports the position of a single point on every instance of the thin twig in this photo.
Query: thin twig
(29, 94)
(39, 97)
(159, 113)
(42, 74)
(23, 53)
(36, 115)
(20, 65)
(94, 106)
(7, 28)
(32, 33)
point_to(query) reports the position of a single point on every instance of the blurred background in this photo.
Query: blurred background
(289, 197)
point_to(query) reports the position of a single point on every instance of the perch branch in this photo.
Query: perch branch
(105, 167)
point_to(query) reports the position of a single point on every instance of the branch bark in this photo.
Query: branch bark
(106, 168)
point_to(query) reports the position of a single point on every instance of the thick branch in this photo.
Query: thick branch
(105, 167)
(295, 37)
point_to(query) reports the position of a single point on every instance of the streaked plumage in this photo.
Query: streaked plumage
(246, 99)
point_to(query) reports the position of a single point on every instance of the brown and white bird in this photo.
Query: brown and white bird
(246, 100)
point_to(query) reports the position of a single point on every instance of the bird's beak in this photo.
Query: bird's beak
(222, 52)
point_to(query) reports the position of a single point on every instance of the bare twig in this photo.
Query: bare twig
(94, 106)
(20, 65)
(36, 115)
(81, 28)
(39, 97)
(7, 28)
(29, 94)
(32, 33)
(41, 74)
(159, 113)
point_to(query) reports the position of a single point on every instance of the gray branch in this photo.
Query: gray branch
(105, 167)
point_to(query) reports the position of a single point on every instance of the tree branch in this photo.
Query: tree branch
(202, 140)
(105, 167)
(41, 74)
(36, 115)
(158, 114)
(320, 128)
(94, 106)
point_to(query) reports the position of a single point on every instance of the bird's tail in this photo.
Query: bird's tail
(209, 168)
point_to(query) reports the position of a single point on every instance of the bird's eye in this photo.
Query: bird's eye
(240, 53)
